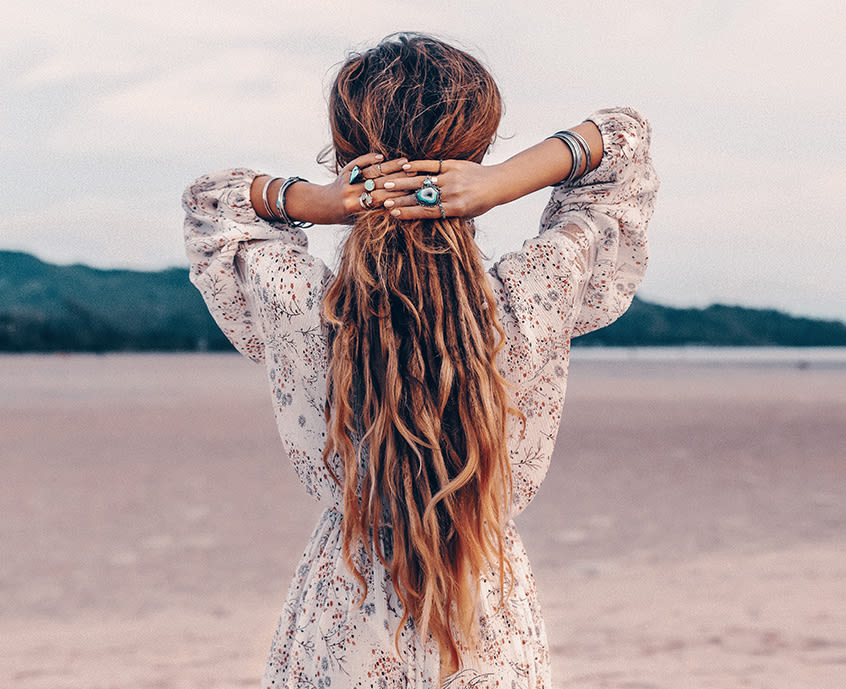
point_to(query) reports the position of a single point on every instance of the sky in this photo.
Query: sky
(108, 110)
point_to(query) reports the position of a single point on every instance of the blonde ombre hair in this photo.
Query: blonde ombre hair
(416, 408)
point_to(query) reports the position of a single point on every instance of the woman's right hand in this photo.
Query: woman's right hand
(470, 189)
(467, 189)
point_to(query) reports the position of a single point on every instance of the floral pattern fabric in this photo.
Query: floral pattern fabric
(264, 290)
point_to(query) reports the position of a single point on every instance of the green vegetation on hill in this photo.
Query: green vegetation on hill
(49, 308)
(646, 324)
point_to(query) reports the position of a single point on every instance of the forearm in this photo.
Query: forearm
(542, 165)
(471, 189)
(304, 201)
(335, 203)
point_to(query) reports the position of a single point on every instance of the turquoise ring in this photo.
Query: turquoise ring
(369, 185)
(356, 175)
(429, 194)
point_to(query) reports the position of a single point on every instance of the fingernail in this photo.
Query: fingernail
(389, 202)
(395, 212)
(407, 166)
(379, 156)
(390, 185)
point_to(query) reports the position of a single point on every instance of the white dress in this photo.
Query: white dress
(264, 290)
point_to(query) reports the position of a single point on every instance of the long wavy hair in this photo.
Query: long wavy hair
(416, 408)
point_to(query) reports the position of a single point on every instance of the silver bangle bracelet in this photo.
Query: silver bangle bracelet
(280, 203)
(577, 160)
(579, 151)
(585, 146)
(575, 153)
(264, 200)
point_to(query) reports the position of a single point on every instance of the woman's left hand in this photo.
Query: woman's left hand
(337, 202)
(354, 192)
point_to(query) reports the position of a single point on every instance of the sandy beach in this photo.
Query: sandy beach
(691, 532)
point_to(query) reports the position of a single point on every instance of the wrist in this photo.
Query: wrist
(497, 189)
(301, 200)
(593, 137)
(311, 203)
(531, 170)
(259, 191)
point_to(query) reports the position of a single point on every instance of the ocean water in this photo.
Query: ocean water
(790, 357)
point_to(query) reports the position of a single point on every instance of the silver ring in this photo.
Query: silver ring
(443, 212)
(429, 194)
(379, 168)
(365, 200)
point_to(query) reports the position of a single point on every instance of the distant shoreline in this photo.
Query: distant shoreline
(706, 353)
(76, 308)
(694, 355)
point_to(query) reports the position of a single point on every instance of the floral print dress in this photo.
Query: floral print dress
(264, 290)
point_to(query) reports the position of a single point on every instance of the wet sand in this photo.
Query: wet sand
(691, 531)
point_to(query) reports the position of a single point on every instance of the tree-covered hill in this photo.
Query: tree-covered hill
(45, 308)
(646, 324)
(48, 308)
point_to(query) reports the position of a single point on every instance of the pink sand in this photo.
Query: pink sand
(691, 531)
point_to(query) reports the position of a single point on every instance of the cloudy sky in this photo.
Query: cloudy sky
(109, 109)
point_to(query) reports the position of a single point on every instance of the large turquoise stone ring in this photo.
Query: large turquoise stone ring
(356, 175)
(429, 194)
(369, 185)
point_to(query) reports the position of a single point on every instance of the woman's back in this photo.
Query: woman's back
(399, 349)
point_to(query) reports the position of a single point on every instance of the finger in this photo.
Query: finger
(430, 166)
(375, 199)
(384, 168)
(381, 197)
(405, 181)
(363, 160)
(411, 184)
(401, 182)
(395, 182)
(416, 211)
(402, 200)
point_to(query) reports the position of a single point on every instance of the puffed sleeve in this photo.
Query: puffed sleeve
(219, 221)
(612, 207)
(580, 273)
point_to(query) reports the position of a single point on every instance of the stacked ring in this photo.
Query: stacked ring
(365, 200)
(429, 194)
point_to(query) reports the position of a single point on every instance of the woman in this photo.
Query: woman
(418, 396)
